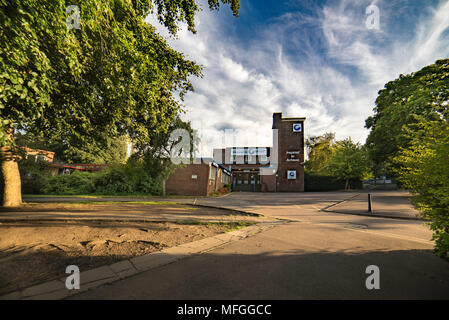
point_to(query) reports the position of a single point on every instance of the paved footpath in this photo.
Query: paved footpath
(314, 255)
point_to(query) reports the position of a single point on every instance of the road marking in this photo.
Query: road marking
(340, 225)
(391, 235)
(384, 234)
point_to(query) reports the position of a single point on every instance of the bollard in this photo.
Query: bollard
(369, 203)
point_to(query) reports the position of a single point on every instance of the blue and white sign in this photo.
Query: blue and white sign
(249, 151)
(297, 127)
(291, 174)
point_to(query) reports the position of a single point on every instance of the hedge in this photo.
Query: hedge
(316, 182)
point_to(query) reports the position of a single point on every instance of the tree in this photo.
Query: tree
(114, 76)
(319, 152)
(348, 161)
(108, 150)
(400, 106)
(424, 170)
(410, 133)
(111, 151)
(156, 157)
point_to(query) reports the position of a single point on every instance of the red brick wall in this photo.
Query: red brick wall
(267, 182)
(290, 141)
(181, 182)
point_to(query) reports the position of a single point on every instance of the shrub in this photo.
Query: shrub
(148, 184)
(119, 179)
(316, 182)
(33, 176)
(34, 182)
(126, 179)
(76, 183)
(424, 170)
(115, 180)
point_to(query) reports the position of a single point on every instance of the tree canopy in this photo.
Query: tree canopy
(113, 76)
(410, 134)
(348, 161)
(319, 152)
(401, 105)
(423, 168)
(108, 150)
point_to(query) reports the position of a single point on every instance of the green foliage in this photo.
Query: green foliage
(126, 179)
(115, 75)
(34, 176)
(116, 180)
(76, 183)
(156, 156)
(410, 137)
(170, 13)
(149, 185)
(316, 182)
(319, 152)
(400, 106)
(332, 164)
(105, 151)
(348, 161)
(424, 170)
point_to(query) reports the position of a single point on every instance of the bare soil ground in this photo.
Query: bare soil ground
(127, 211)
(33, 251)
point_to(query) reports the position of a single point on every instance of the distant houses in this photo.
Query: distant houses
(58, 168)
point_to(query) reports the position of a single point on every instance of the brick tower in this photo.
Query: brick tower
(290, 143)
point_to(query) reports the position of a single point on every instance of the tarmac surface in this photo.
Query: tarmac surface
(313, 255)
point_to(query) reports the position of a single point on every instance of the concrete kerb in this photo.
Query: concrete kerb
(372, 215)
(339, 202)
(378, 216)
(246, 213)
(90, 279)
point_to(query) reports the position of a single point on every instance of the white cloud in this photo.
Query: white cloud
(334, 87)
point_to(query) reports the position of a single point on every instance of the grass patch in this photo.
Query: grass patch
(99, 196)
(152, 203)
(59, 196)
(231, 226)
(238, 225)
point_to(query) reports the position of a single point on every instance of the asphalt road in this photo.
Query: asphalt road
(313, 255)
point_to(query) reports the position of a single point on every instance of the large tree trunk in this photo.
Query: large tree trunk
(10, 184)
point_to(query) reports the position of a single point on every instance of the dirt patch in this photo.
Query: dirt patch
(142, 211)
(33, 252)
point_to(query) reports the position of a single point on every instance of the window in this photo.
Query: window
(263, 159)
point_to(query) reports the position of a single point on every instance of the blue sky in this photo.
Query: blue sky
(313, 59)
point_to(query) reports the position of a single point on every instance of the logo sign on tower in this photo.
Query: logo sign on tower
(297, 127)
(291, 174)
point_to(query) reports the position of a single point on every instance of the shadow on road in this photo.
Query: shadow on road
(404, 274)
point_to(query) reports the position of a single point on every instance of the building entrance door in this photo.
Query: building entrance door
(248, 181)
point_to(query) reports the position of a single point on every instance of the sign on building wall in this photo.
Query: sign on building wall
(297, 127)
(291, 174)
(249, 151)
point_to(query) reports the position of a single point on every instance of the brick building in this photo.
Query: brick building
(290, 146)
(269, 169)
(200, 178)
(279, 168)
